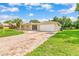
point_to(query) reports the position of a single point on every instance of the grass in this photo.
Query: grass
(9, 32)
(64, 43)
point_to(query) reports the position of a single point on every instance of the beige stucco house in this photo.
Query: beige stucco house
(43, 26)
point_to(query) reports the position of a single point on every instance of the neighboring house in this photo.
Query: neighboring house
(43, 26)
(5, 25)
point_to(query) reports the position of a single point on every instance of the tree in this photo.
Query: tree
(18, 22)
(34, 21)
(8, 21)
(64, 21)
(76, 23)
(55, 19)
(60, 20)
(67, 23)
(77, 7)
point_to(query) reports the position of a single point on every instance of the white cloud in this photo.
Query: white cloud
(41, 5)
(13, 4)
(31, 14)
(29, 6)
(2, 7)
(10, 9)
(73, 7)
(46, 6)
(13, 9)
(63, 11)
(41, 20)
(38, 8)
(4, 16)
(7, 17)
(51, 10)
(33, 4)
(73, 18)
(63, 4)
(67, 11)
(5, 9)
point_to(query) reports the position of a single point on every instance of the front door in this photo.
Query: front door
(34, 27)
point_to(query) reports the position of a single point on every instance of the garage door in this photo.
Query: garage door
(48, 27)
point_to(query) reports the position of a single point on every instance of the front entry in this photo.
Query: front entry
(34, 27)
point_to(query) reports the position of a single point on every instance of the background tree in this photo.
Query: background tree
(60, 20)
(77, 7)
(67, 23)
(64, 21)
(76, 23)
(55, 19)
(8, 21)
(18, 22)
(34, 21)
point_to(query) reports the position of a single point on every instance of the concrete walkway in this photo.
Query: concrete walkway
(20, 44)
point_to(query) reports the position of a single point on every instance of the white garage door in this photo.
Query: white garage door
(48, 27)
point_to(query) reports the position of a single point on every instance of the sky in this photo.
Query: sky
(38, 11)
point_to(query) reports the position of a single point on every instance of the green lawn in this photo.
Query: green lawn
(9, 32)
(65, 43)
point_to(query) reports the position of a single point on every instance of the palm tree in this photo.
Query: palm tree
(77, 8)
(18, 22)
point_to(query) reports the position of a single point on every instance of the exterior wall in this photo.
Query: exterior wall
(34, 24)
(47, 27)
(38, 27)
(55, 26)
(50, 27)
(26, 27)
(30, 27)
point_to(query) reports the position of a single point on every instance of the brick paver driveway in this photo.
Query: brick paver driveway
(20, 44)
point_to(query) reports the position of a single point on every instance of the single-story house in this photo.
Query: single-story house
(42, 26)
(6, 25)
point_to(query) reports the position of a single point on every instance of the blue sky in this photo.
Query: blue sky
(39, 11)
